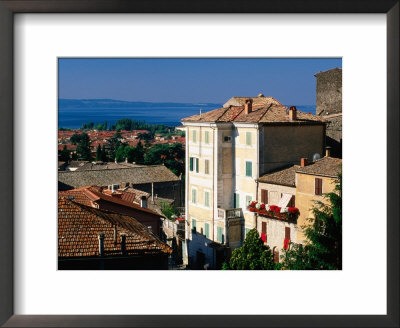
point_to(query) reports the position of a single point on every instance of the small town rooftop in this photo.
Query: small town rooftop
(265, 110)
(133, 175)
(79, 227)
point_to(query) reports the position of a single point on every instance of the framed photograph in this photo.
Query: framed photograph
(193, 145)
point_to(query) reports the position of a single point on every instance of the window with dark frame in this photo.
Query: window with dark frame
(318, 186)
(287, 232)
(264, 196)
(292, 202)
(264, 227)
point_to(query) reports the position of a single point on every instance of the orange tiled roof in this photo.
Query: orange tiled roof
(269, 111)
(285, 177)
(79, 226)
(89, 194)
(325, 166)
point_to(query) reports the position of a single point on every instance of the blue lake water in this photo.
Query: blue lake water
(74, 116)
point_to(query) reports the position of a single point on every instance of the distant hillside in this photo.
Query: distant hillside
(111, 103)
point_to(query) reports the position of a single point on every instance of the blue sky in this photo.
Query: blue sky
(291, 81)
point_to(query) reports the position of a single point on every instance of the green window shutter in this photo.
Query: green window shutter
(248, 200)
(207, 166)
(197, 165)
(191, 163)
(194, 136)
(207, 230)
(194, 196)
(249, 169)
(207, 199)
(219, 234)
(236, 203)
(194, 224)
(206, 137)
(248, 138)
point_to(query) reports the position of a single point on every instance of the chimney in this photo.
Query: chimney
(123, 243)
(292, 113)
(101, 243)
(303, 162)
(248, 106)
(143, 202)
(328, 151)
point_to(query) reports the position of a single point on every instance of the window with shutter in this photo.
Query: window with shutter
(191, 163)
(207, 230)
(207, 166)
(264, 227)
(194, 225)
(248, 138)
(248, 200)
(318, 186)
(207, 137)
(197, 165)
(287, 232)
(194, 136)
(207, 199)
(194, 196)
(249, 169)
(264, 196)
(219, 235)
(276, 256)
(292, 202)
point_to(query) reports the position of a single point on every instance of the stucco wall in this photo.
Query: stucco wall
(305, 197)
(274, 192)
(276, 232)
(286, 144)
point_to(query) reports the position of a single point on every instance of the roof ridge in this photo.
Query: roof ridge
(265, 113)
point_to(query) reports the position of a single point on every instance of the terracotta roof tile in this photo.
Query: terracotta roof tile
(285, 177)
(79, 226)
(325, 166)
(269, 111)
(133, 175)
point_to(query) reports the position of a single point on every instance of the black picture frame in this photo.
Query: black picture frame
(7, 10)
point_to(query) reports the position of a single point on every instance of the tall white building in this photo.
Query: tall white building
(227, 150)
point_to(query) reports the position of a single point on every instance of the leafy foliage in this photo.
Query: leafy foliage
(64, 155)
(83, 149)
(167, 209)
(253, 255)
(172, 155)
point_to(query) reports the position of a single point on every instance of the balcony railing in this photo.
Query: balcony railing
(230, 213)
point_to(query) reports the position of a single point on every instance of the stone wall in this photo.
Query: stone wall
(329, 105)
(329, 92)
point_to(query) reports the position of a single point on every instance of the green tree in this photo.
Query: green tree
(98, 153)
(115, 142)
(139, 154)
(323, 247)
(120, 154)
(167, 209)
(104, 154)
(253, 255)
(83, 149)
(64, 154)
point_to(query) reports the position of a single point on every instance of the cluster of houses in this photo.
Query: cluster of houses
(101, 138)
(252, 164)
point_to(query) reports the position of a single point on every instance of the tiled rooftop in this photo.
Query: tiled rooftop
(133, 175)
(89, 194)
(285, 177)
(267, 111)
(325, 166)
(79, 226)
